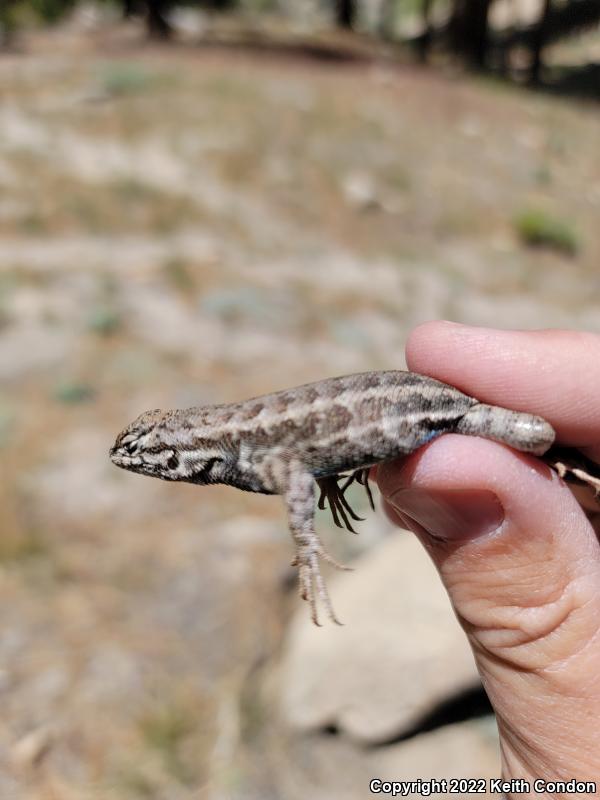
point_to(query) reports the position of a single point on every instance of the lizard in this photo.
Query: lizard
(326, 434)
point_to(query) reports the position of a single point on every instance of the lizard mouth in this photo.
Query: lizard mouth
(127, 461)
(135, 463)
(118, 457)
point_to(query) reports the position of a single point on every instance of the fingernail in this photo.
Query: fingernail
(450, 514)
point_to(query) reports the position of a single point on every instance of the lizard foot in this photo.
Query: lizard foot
(334, 494)
(311, 582)
(584, 476)
(360, 476)
(573, 466)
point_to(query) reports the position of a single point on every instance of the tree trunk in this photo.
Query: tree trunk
(425, 39)
(345, 13)
(387, 14)
(7, 24)
(158, 27)
(469, 31)
(130, 7)
(538, 43)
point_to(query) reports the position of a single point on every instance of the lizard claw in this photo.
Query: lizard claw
(338, 505)
(322, 553)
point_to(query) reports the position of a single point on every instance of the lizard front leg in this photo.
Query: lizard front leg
(332, 493)
(300, 501)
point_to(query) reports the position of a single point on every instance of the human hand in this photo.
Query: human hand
(518, 556)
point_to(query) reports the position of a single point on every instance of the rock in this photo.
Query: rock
(29, 750)
(360, 191)
(471, 127)
(331, 767)
(399, 655)
(189, 22)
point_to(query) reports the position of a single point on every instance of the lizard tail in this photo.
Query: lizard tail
(524, 432)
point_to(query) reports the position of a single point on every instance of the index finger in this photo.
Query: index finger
(553, 373)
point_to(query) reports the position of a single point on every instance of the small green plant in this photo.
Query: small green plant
(33, 223)
(125, 79)
(135, 783)
(178, 273)
(8, 23)
(542, 175)
(73, 392)
(23, 546)
(164, 730)
(50, 11)
(104, 320)
(131, 190)
(399, 179)
(536, 228)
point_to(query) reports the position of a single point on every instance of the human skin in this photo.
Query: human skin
(517, 554)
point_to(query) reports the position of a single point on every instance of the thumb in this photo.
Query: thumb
(521, 564)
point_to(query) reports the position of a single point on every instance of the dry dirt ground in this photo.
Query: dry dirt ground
(184, 225)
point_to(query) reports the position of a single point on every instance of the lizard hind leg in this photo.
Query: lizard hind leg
(300, 501)
(309, 550)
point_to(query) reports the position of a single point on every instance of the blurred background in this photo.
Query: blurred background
(204, 202)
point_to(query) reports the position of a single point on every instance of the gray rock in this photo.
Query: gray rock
(30, 749)
(399, 655)
(329, 767)
(360, 191)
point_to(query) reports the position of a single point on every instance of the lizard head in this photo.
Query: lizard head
(151, 445)
(140, 448)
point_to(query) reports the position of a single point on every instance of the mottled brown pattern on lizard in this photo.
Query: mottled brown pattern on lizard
(325, 432)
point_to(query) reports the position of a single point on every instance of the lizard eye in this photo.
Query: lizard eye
(130, 448)
(173, 461)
